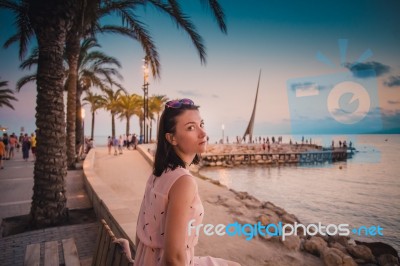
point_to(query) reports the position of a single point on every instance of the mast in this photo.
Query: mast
(250, 126)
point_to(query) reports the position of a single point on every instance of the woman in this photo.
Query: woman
(171, 196)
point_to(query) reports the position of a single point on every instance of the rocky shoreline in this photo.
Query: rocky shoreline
(333, 250)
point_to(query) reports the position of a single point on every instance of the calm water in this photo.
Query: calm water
(365, 190)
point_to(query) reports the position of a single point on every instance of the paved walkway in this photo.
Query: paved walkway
(16, 182)
(120, 180)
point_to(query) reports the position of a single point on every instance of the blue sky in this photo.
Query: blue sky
(282, 39)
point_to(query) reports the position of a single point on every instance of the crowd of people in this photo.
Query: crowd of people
(129, 141)
(10, 144)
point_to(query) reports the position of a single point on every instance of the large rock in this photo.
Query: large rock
(251, 203)
(343, 240)
(388, 260)
(335, 257)
(316, 245)
(268, 218)
(289, 218)
(231, 202)
(338, 246)
(361, 252)
(379, 248)
(267, 205)
(292, 242)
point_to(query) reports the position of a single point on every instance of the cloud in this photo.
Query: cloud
(360, 70)
(190, 93)
(393, 81)
(393, 102)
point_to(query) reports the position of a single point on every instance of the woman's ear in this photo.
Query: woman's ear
(170, 138)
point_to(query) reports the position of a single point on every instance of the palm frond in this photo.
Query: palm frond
(183, 21)
(218, 13)
(23, 81)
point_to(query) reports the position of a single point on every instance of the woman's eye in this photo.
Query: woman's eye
(191, 127)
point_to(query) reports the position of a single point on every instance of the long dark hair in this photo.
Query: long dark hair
(165, 157)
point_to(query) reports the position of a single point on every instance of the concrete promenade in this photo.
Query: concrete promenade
(116, 186)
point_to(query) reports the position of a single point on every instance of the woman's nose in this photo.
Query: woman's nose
(202, 133)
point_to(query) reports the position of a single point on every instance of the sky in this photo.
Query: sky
(327, 67)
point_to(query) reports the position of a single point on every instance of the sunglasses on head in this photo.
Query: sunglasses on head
(178, 103)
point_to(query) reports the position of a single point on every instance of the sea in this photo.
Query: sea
(362, 191)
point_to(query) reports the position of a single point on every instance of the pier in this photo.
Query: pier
(285, 156)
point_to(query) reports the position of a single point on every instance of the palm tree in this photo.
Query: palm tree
(6, 95)
(156, 106)
(87, 23)
(96, 69)
(96, 102)
(50, 20)
(129, 105)
(111, 104)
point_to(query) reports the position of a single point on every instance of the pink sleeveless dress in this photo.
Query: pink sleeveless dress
(151, 222)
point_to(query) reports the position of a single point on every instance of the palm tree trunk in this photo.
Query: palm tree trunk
(79, 120)
(112, 125)
(92, 133)
(51, 21)
(127, 126)
(72, 51)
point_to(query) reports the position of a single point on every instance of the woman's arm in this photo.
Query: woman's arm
(180, 196)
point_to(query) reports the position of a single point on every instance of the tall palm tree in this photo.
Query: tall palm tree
(156, 106)
(87, 23)
(128, 106)
(96, 69)
(6, 95)
(50, 20)
(96, 102)
(111, 104)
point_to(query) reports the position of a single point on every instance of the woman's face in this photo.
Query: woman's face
(190, 137)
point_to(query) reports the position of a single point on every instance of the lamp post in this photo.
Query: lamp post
(145, 98)
(83, 129)
(223, 133)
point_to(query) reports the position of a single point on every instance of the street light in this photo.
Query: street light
(83, 128)
(145, 98)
